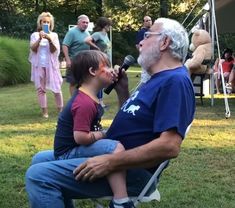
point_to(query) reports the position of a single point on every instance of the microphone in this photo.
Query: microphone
(128, 61)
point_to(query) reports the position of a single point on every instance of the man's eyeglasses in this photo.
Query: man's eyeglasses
(148, 34)
(148, 20)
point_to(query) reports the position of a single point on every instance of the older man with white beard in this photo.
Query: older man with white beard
(151, 124)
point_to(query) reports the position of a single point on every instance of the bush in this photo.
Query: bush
(14, 65)
(15, 68)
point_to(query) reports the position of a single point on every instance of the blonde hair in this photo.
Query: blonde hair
(41, 16)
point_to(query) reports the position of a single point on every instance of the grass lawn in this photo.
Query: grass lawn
(203, 176)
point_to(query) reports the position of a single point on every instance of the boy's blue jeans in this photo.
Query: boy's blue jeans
(50, 183)
(100, 147)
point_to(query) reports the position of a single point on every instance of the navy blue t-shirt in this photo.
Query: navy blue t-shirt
(81, 113)
(165, 102)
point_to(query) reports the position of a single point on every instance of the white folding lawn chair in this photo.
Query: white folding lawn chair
(142, 196)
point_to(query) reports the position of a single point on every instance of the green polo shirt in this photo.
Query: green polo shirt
(74, 39)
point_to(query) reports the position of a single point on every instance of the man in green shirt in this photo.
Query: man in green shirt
(74, 41)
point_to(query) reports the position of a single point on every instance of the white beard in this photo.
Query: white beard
(149, 58)
(145, 76)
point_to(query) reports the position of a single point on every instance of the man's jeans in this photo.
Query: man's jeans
(50, 183)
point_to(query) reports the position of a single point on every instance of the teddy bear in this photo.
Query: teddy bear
(201, 47)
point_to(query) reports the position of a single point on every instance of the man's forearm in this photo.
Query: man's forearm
(123, 97)
(65, 52)
(122, 89)
(148, 155)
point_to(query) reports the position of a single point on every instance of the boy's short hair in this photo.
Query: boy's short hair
(85, 60)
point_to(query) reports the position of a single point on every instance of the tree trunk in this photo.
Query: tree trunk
(36, 5)
(99, 7)
(163, 8)
(44, 5)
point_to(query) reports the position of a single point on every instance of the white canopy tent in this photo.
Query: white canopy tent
(225, 15)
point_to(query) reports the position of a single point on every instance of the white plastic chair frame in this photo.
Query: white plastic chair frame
(141, 197)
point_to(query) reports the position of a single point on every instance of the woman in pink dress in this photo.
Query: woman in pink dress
(44, 53)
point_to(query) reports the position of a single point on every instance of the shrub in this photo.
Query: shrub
(14, 65)
(123, 44)
(15, 68)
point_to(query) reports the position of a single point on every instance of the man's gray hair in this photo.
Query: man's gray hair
(178, 35)
(82, 16)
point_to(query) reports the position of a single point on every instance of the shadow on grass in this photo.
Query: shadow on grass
(199, 177)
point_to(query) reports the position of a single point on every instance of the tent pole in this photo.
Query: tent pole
(227, 110)
(212, 28)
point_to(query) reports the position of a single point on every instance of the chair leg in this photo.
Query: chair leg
(97, 203)
(198, 83)
(201, 90)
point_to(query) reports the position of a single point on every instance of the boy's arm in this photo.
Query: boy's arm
(86, 138)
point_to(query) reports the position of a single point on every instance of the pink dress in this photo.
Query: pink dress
(53, 76)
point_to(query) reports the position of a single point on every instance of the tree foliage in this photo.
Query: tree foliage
(18, 17)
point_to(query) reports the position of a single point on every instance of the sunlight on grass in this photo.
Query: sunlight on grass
(211, 133)
(24, 145)
(106, 122)
(29, 127)
(211, 123)
(221, 96)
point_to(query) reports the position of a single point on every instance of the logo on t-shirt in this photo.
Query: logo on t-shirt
(131, 108)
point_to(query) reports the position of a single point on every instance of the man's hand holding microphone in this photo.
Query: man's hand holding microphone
(121, 80)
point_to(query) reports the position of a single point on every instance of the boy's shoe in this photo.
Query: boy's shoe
(128, 204)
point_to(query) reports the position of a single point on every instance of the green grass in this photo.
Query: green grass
(201, 177)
